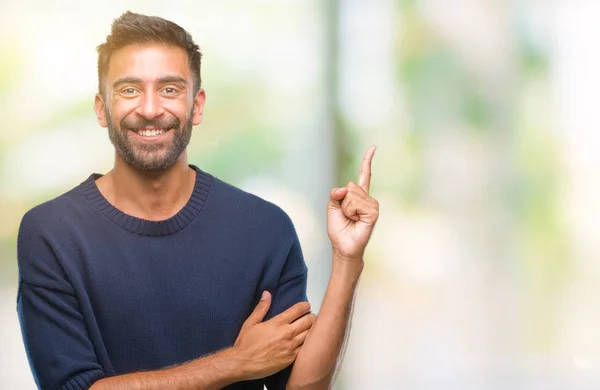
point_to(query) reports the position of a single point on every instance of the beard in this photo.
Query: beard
(154, 156)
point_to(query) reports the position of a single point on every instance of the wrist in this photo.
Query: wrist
(341, 257)
(227, 365)
(345, 266)
(239, 363)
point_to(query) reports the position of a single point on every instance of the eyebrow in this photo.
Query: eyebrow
(137, 80)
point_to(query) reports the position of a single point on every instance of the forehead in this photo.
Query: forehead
(148, 62)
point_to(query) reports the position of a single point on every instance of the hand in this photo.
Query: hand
(268, 347)
(352, 213)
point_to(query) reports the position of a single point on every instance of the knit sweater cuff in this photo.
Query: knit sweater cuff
(83, 381)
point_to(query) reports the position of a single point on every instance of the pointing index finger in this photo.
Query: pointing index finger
(364, 176)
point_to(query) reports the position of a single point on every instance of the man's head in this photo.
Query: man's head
(150, 92)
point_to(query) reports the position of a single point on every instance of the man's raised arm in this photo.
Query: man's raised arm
(351, 216)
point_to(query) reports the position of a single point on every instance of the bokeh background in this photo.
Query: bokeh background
(484, 269)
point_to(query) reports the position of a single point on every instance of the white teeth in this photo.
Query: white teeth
(150, 133)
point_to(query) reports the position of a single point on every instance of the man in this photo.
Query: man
(148, 277)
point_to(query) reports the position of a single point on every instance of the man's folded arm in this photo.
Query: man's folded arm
(58, 347)
(62, 357)
(210, 372)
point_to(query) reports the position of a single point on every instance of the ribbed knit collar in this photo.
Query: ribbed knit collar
(145, 227)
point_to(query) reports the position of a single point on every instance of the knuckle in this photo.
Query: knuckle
(306, 323)
(303, 306)
(289, 335)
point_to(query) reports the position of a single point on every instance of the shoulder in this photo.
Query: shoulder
(250, 206)
(53, 214)
(40, 230)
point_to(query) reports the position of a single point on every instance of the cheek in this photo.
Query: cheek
(120, 110)
(176, 106)
(180, 110)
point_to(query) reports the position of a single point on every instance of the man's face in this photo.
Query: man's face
(148, 105)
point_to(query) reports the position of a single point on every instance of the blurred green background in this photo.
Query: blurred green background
(483, 271)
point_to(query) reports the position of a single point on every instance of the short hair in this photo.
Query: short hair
(131, 28)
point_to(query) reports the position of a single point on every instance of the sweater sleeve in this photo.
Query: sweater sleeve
(60, 353)
(291, 290)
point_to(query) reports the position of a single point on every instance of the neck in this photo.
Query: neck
(153, 196)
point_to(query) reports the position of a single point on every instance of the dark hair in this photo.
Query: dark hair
(131, 28)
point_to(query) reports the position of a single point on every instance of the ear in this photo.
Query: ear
(198, 107)
(100, 110)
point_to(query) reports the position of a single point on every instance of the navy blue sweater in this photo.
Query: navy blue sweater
(102, 293)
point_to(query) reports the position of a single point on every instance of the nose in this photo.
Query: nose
(150, 106)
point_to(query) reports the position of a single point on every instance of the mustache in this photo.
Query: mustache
(168, 123)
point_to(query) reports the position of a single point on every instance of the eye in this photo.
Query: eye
(129, 91)
(170, 90)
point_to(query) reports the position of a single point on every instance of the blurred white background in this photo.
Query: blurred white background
(484, 269)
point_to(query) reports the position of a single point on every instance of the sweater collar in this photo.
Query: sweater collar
(145, 227)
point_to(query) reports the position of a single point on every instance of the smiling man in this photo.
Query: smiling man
(158, 275)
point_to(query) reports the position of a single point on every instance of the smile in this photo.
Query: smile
(150, 134)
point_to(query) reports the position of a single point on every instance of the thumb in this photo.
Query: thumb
(260, 310)
(336, 196)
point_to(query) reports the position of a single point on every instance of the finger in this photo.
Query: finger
(366, 211)
(304, 323)
(364, 175)
(293, 313)
(260, 310)
(350, 208)
(300, 338)
(336, 196)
